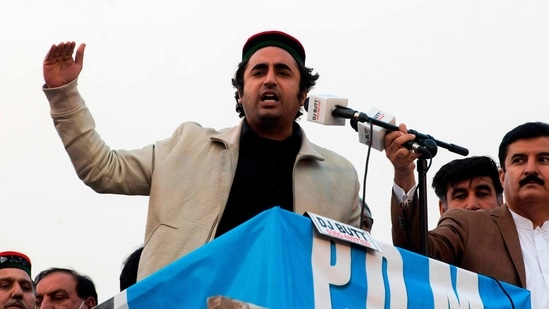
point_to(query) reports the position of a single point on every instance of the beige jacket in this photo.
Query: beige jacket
(188, 177)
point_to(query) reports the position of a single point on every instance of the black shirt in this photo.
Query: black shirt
(263, 177)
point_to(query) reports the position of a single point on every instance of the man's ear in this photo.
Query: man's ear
(90, 302)
(501, 176)
(239, 93)
(440, 207)
(302, 97)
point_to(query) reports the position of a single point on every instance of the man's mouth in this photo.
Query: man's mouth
(15, 305)
(269, 98)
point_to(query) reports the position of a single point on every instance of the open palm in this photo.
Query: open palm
(59, 67)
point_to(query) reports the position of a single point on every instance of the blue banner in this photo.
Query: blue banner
(278, 260)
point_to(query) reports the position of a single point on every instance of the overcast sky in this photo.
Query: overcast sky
(465, 72)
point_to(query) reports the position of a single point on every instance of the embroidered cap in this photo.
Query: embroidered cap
(12, 259)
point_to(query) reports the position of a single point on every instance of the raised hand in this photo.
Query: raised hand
(59, 67)
(403, 160)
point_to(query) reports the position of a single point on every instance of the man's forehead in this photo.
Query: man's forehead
(527, 146)
(15, 273)
(472, 183)
(272, 54)
(56, 281)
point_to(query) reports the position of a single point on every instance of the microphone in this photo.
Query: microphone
(322, 107)
(374, 136)
(330, 110)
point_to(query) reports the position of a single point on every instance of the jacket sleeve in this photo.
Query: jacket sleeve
(405, 224)
(104, 170)
(445, 242)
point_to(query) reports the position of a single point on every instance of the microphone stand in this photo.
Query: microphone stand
(430, 144)
(422, 201)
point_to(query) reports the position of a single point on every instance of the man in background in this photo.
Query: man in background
(128, 275)
(509, 243)
(469, 183)
(64, 288)
(16, 287)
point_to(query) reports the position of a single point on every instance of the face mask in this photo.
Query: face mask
(80, 307)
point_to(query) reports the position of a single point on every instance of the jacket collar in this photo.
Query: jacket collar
(509, 233)
(230, 137)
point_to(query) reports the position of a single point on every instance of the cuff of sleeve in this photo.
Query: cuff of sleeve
(403, 198)
(64, 98)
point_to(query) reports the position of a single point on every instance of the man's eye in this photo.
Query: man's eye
(27, 288)
(517, 160)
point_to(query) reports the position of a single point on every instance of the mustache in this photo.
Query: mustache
(531, 178)
(16, 302)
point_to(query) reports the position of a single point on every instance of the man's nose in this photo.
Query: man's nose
(270, 77)
(472, 203)
(531, 167)
(17, 291)
(45, 304)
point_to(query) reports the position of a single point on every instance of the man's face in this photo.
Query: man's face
(475, 193)
(16, 290)
(271, 97)
(526, 176)
(58, 290)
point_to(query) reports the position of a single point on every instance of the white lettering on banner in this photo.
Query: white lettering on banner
(332, 265)
(324, 273)
(376, 276)
(381, 279)
(393, 274)
(465, 294)
(376, 294)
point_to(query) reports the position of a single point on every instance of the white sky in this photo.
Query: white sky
(465, 72)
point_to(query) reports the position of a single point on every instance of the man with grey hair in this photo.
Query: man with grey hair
(16, 286)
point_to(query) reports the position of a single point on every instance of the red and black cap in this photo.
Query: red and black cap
(274, 38)
(12, 259)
